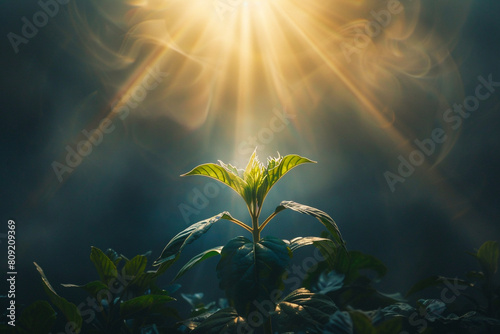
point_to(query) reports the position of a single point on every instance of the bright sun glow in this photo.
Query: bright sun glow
(241, 52)
(244, 57)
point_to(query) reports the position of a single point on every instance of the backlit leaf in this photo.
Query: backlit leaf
(254, 182)
(224, 174)
(278, 167)
(197, 259)
(92, 288)
(487, 256)
(69, 310)
(104, 266)
(323, 217)
(141, 304)
(135, 266)
(359, 260)
(223, 321)
(303, 310)
(306, 241)
(193, 232)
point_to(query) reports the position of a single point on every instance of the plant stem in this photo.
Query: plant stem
(268, 327)
(239, 223)
(255, 229)
(267, 221)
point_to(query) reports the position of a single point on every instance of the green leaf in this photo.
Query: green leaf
(193, 232)
(197, 259)
(165, 265)
(253, 183)
(69, 310)
(277, 167)
(321, 243)
(195, 320)
(361, 295)
(142, 282)
(313, 275)
(487, 255)
(104, 266)
(436, 281)
(135, 267)
(337, 258)
(362, 323)
(92, 288)
(223, 321)
(339, 323)
(303, 310)
(359, 260)
(342, 261)
(113, 256)
(38, 318)
(147, 281)
(249, 272)
(323, 217)
(225, 173)
(260, 179)
(329, 281)
(146, 303)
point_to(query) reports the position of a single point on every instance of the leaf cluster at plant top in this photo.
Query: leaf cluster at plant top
(338, 295)
(254, 182)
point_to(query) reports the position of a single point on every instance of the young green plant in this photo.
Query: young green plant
(250, 269)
